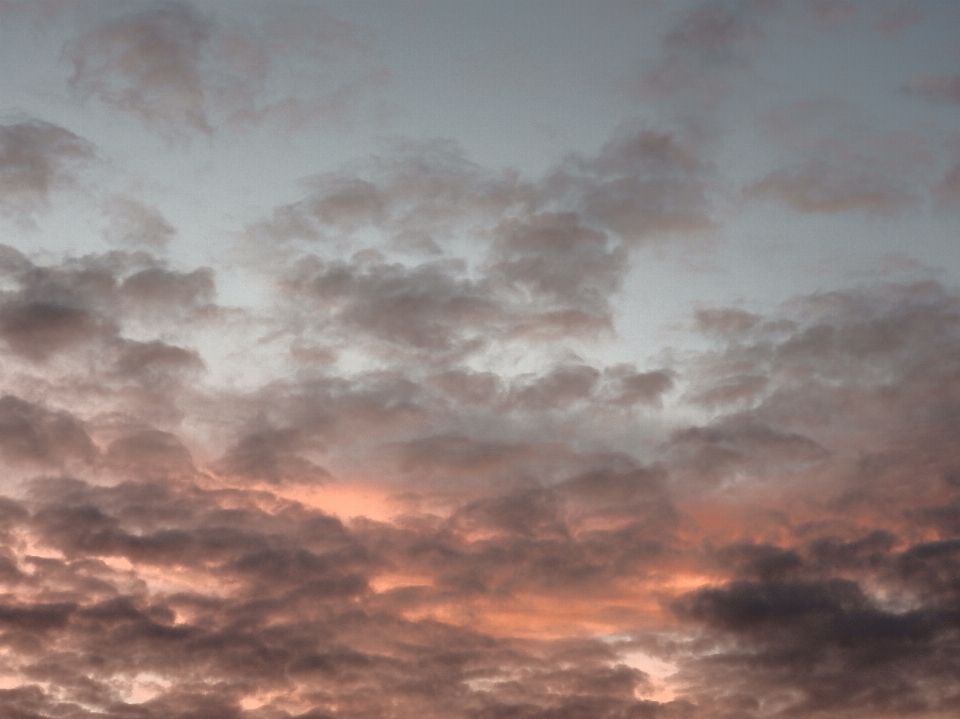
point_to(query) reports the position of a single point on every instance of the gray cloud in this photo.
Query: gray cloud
(944, 89)
(642, 185)
(147, 62)
(708, 42)
(820, 186)
(181, 71)
(186, 587)
(543, 261)
(35, 159)
(136, 224)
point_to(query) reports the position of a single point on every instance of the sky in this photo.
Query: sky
(479, 359)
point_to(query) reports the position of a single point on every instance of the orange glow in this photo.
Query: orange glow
(544, 616)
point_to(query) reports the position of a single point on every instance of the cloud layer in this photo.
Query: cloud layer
(367, 452)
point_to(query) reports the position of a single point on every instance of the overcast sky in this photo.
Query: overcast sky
(480, 360)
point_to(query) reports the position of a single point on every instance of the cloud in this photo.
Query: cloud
(835, 161)
(819, 186)
(147, 63)
(37, 158)
(32, 433)
(795, 549)
(54, 309)
(944, 89)
(181, 71)
(709, 41)
(449, 257)
(831, 14)
(898, 17)
(948, 191)
(644, 185)
(135, 224)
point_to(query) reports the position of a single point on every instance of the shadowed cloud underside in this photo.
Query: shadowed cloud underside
(418, 434)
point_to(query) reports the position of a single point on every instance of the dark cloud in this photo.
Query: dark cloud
(37, 158)
(423, 307)
(799, 548)
(401, 483)
(32, 433)
(271, 454)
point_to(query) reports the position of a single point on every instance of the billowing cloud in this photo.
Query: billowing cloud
(511, 569)
(449, 256)
(396, 442)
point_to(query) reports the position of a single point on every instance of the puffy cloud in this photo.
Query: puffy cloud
(55, 308)
(643, 185)
(449, 257)
(35, 434)
(146, 62)
(796, 550)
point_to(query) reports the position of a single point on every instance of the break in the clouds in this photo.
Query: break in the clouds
(338, 382)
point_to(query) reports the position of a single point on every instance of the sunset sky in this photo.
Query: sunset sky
(475, 359)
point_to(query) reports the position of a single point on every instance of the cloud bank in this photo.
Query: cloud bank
(405, 480)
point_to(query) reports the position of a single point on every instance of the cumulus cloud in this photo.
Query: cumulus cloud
(643, 184)
(449, 257)
(432, 538)
(403, 484)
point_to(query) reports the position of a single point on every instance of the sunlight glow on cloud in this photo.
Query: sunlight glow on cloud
(311, 407)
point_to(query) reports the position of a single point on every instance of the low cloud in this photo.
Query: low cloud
(472, 543)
